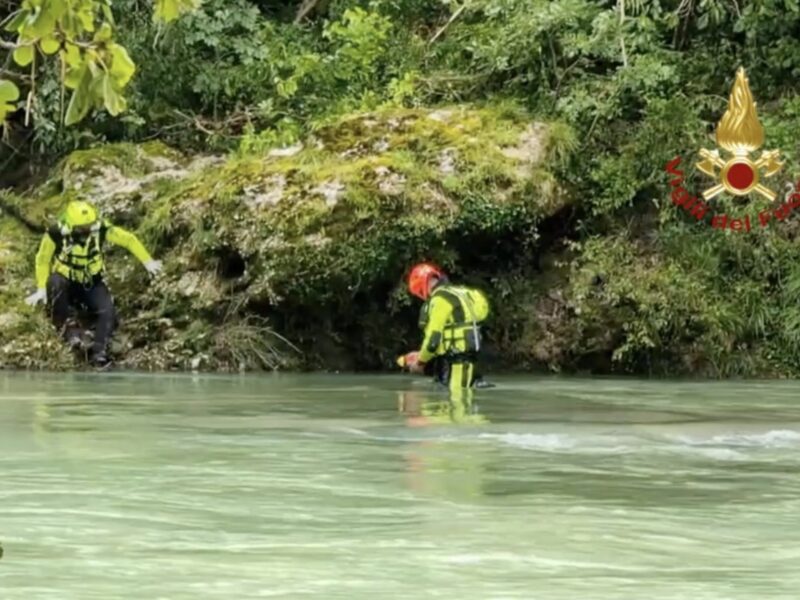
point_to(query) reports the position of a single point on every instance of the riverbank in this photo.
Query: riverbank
(294, 259)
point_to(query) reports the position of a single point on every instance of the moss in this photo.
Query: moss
(156, 149)
(124, 157)
(129, 159)
(309, 233)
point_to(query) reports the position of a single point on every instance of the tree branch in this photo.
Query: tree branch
(449, 22)
(306, 7)
(621, 7)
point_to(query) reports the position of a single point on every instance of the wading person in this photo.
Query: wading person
(451, 319)
(69, 272)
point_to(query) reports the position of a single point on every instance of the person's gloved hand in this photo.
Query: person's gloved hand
(153, 267)
(39, 295)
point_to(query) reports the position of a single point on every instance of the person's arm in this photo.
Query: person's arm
(44, 257)
(438, 313)
(125, 239)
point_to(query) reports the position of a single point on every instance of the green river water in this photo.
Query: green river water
(121, 486)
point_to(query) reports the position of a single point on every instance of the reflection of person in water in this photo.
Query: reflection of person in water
(423, 409)
(57, 431)
(450, 469)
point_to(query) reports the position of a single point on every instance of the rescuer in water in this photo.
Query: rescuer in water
(451, 319)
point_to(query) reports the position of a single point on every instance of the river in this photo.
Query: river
(178, 487)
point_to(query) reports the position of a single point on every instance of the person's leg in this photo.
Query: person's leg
(477, 378)
(100, 302)
(461, 376)
(58, 299)
(441, 371)
(478, 381)
(59, 296)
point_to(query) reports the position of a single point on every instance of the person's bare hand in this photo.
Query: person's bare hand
(413, 363)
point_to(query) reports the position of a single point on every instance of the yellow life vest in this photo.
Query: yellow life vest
(80, 262)
(477, 300)
(469, 308)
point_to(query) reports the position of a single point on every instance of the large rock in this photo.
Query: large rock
(309, 242)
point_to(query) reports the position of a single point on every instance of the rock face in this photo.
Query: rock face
(295, 258)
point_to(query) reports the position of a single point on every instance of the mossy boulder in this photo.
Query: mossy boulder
(307, 244)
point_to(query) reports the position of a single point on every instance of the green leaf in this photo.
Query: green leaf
(8, 91)
(114, 102)
(18, 21)
(287, 88)
(122, 67)
(73, 78)
(73, 55)
(97, 91)
(81, 101)
(166, 10)
(92, 62)
(69, 22)
(50, 45)
(104, 33)
(58, 8)
(108, 14)
(75, 73)
(44, 20)
(23, 56)
(86, 16)
(5, 108)
(169, 10)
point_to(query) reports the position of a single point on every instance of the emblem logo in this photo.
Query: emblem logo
(740, 133)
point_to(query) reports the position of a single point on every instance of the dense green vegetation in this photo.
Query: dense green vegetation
(597, 269)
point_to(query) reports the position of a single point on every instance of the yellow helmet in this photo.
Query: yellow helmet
(79, 214)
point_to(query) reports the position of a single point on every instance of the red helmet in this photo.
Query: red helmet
(419, 277)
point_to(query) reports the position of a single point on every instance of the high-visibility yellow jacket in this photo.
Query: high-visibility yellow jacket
(451, 319)
(81, 262)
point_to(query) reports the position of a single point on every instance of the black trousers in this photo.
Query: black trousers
(63, 293)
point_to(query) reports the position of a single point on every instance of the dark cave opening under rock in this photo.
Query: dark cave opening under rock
(231, 264)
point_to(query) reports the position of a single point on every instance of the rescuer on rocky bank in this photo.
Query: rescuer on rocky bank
(69, 272)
